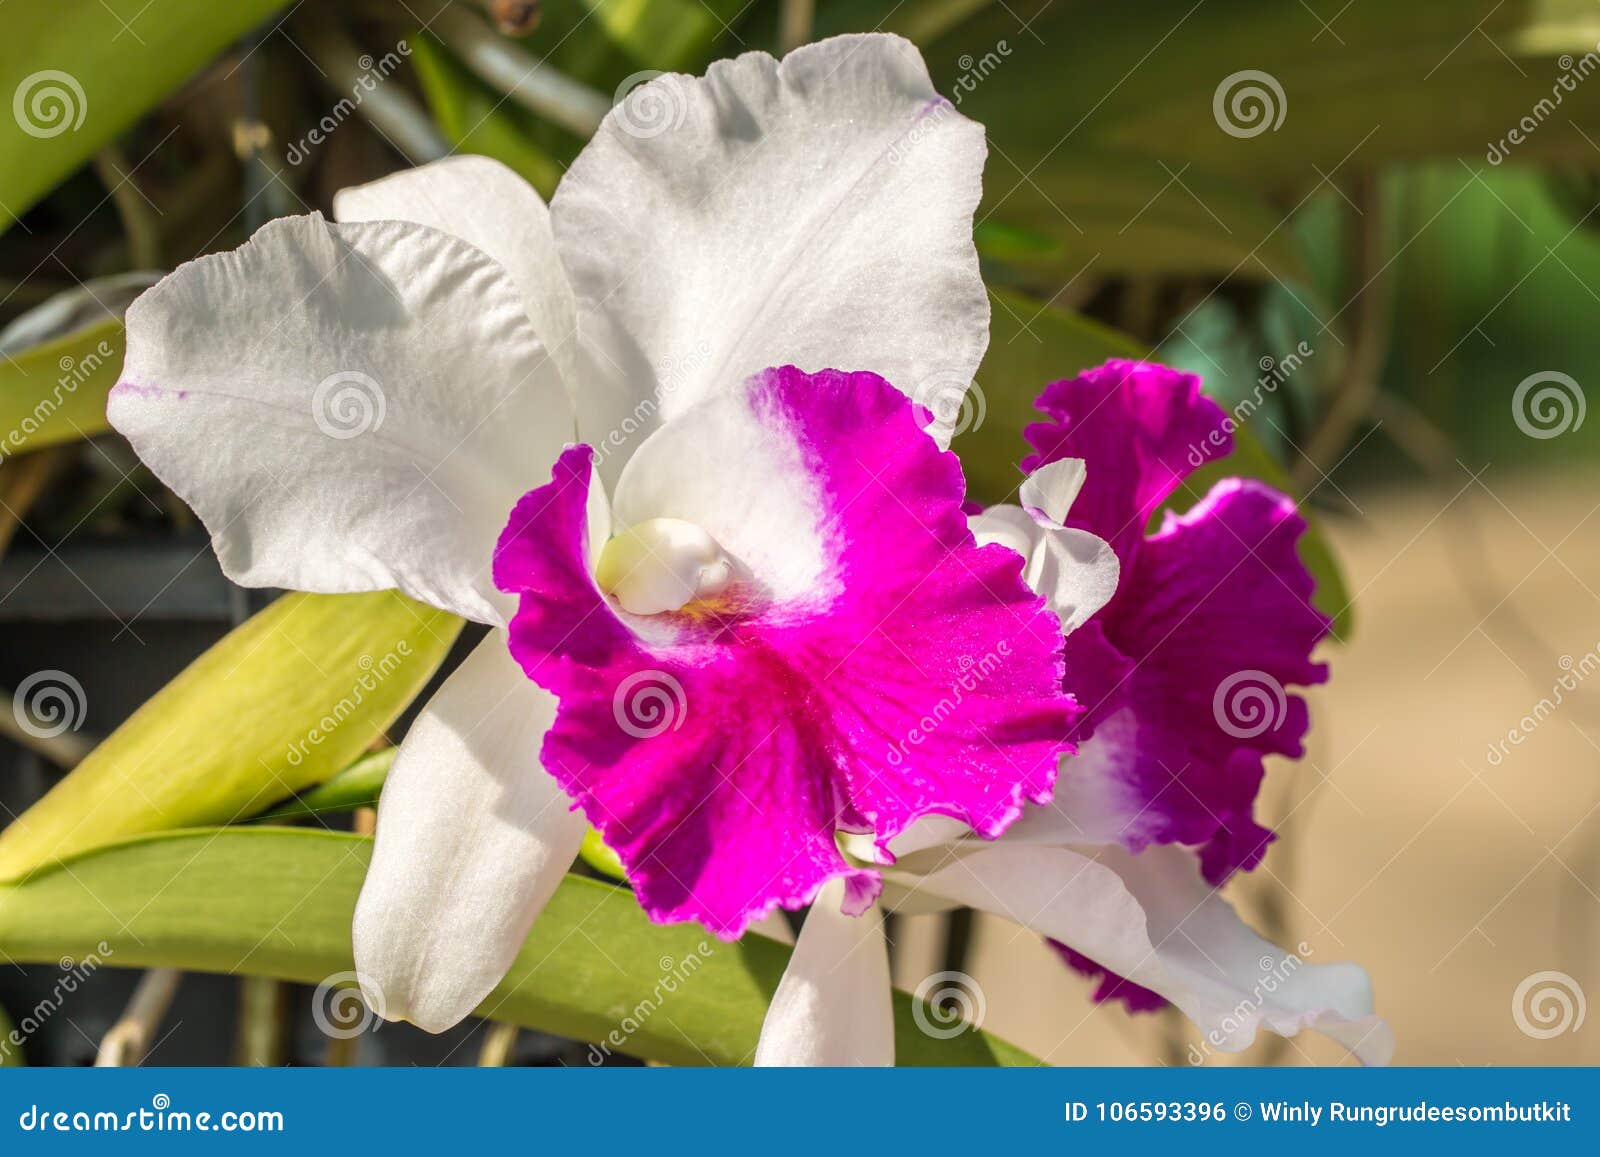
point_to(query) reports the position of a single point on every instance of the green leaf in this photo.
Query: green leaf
(281, 703)
(475, 120)
(56, 391)
(1112, 212)
(599, 855)
(278, 902)
(82, 71)
(358, 785)
(1377, 82)
(1032, 344)
(670, 35)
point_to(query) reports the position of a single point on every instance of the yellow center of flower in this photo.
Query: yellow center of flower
(662, 565)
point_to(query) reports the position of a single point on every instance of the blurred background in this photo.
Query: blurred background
(1371, 227)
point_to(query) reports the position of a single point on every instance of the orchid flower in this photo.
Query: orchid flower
(722, 591)
(1121, 869)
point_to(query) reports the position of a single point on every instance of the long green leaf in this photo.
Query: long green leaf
(78, 72)
(278, 902)
(358, 785)
(56, 392)
(1375, 83)
(282, 702)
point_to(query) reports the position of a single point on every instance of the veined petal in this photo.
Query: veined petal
(870, 663)
(473, 837)
(491, 208)
(832, 1006)
(815, 212)
(346, 407)
(1152, 919)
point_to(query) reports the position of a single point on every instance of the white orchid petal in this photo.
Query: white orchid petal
(816, 212)
(1152, 919)
(473, 838)
(346, 407)
(1074, 571)
(491, 208)
(1049, 492)
(832, 1006)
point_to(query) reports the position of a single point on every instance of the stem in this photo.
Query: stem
(262, 1041)
(130, 1038)
(794, 27)
(386, 107)
(138, 222)
(498, 1044)
(525, 78)
(1359, 389)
